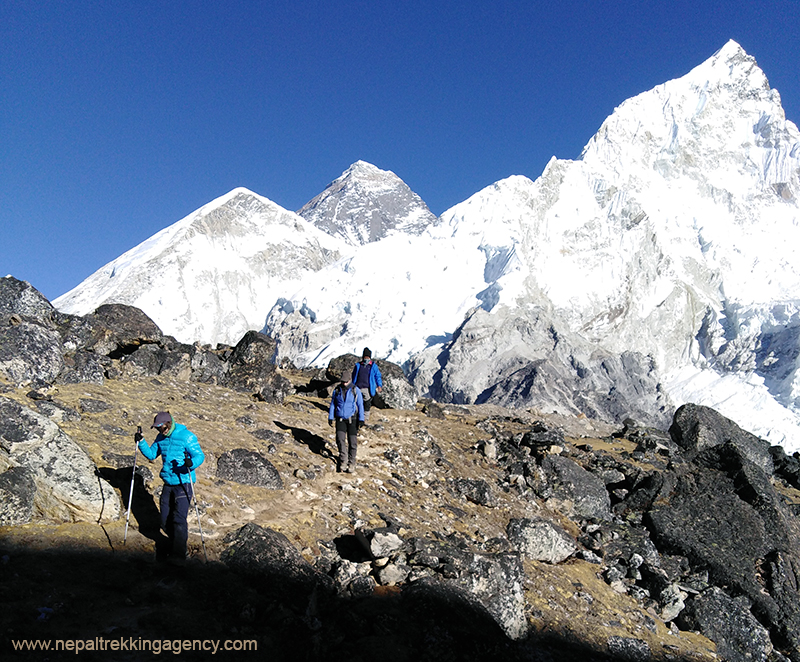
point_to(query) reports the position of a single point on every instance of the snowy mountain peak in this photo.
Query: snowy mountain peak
(366, 204)
(211, 275)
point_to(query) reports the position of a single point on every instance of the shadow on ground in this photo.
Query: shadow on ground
(314, 442)
(70, 595)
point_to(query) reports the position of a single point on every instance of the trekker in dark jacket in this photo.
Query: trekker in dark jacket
(368, 379)
(347, 410)
(181, 455)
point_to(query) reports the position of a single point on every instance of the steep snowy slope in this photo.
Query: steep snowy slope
(212, 275)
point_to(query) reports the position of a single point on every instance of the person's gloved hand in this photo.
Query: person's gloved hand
(138, 436)
(330, 422)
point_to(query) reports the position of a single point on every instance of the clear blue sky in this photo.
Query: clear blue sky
(119, 118)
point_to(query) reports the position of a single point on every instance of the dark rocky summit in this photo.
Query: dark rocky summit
(467, 532)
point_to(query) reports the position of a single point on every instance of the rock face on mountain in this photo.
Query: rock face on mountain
(366, 204)
(212, 275)
(519, 358)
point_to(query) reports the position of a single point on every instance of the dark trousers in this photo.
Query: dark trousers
(175, 501)
(347, 441)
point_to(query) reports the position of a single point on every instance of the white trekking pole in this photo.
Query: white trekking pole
(188, 461)
(133, 476)
(199, 526)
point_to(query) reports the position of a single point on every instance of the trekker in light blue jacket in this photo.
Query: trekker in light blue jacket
(181, 455)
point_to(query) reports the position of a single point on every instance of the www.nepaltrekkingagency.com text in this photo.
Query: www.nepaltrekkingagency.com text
(154, 646)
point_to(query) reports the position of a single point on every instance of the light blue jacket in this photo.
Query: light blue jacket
(173, 448)
(345, 405)
(375, 377)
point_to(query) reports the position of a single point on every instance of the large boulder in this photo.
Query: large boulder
(496, 581)
(251, 368)
(540, 539)
(729, 623)
(67, 486)
(580, 492)
(131, 326)
(398, 393)
(20, 299)
(273, 562)
(695, 428)
(341, 365)
(248, 468)
(30, 353)
(722, 511)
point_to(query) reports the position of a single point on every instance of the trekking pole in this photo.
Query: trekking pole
(199, 526)
(133, 476)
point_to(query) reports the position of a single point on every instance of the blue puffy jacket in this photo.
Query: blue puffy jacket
(172, 448)
(375, 377)
(345, 403)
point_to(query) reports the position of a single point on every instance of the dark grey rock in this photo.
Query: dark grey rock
(151, 360)
(251, 363)
(57, 411)
(82, 367)
(93, 406)
(271, 436)
(130, 326)
(20, 299)
(274, 563)
(30, 353)
(541, 437)
(397, 391)
(341, 365)
(208, 366)
(249, 468)
(17, 492)
(571, 482)
(729, 623)
(629, 649)
(275, 389)
(475, 490)
(787, 467)
(496, 581)
(723, 513)
(696, 428)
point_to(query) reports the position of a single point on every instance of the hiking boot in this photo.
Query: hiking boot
(351, 468)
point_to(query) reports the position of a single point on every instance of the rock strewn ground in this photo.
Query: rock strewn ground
(407, 462)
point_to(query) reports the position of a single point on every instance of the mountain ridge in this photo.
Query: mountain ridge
(660, 240)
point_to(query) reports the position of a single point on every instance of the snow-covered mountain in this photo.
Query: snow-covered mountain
(654, 270)
(367, 204)
(212, 275)
(671, 238)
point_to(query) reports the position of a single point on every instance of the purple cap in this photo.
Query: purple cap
(161, 418)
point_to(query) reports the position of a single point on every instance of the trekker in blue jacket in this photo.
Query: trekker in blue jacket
(347, 410)
(181, 455)
(367, 378)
